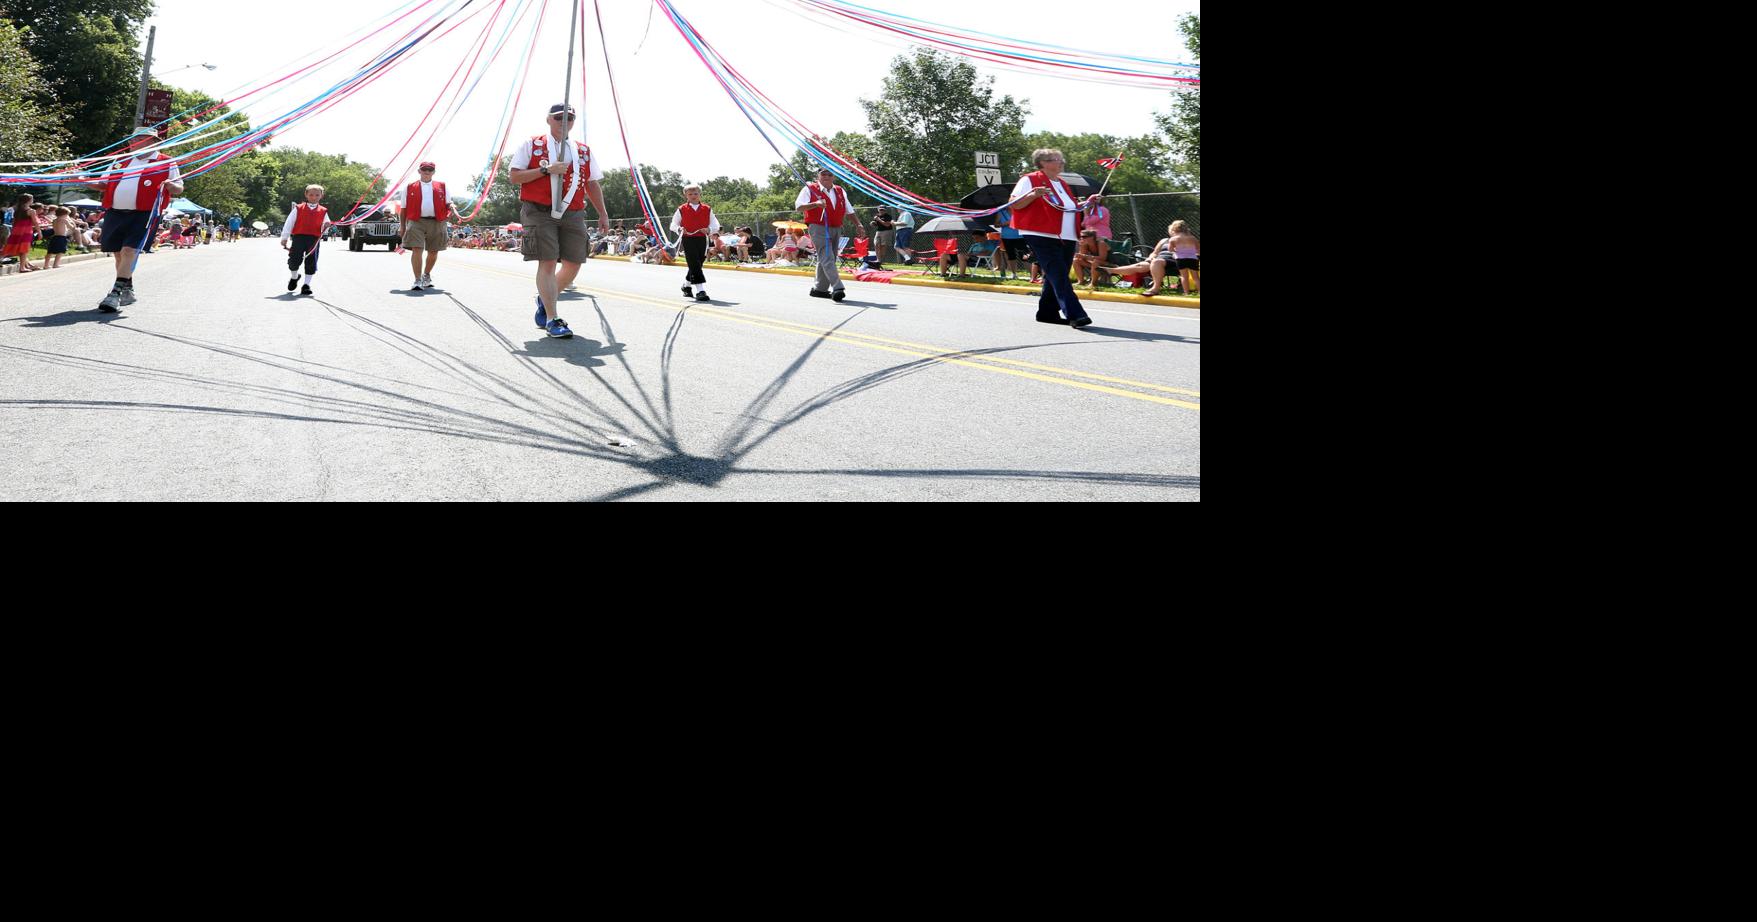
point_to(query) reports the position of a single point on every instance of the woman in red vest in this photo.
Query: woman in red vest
(1045, 214)
(425, 211)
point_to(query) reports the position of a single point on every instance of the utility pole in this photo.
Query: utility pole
(146, 70)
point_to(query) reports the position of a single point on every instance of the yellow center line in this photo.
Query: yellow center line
(938, 354)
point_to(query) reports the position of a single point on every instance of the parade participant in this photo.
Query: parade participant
(695, 221)
(425, 213)
(825, 206)
(304, 231)
(557, 176)
(1044, 212)
(135, 192)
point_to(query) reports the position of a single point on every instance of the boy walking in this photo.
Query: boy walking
(695, 221)
(301, 236)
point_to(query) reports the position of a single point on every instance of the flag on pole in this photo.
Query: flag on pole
(1111, 163)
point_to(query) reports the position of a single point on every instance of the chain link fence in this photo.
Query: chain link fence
(1137, 222)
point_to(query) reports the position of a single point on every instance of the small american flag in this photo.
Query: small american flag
(1111, 163)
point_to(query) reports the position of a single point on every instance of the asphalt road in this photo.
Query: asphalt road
(218, 385)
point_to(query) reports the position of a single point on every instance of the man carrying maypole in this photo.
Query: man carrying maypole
(555, 176)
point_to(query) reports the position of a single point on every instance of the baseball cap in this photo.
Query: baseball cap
(144, 133)
(560, 107)
(429, 166)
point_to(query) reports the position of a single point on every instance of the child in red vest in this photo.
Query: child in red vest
(695, 221)
(304, 231)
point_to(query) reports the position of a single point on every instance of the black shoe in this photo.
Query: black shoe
(1079, 322)
(838, 295)
(1052, 318)
(819, 294)
(702, 296)
(306, 289)
(689, 291)
(292, 283)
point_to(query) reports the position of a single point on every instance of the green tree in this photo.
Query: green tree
(502, 206)
(226, 188)
(345, 181)
(935, 114)
(28, 130)
(619, 197)
(90, 56)
(1146, 167)
(728, 194)
(1182, 126)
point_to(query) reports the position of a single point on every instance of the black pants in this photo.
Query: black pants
(1056, 258)
(695, 251)
(304, 248)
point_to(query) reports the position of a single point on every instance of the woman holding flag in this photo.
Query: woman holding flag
(1043, 212)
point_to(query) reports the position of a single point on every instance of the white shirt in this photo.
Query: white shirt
(805, 197)
(1061, 192)
(677, 219)
(128, 191)
(559, 152)
(905, 219)
(293, 218)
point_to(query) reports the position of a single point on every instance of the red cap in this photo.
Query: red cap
(428, 166)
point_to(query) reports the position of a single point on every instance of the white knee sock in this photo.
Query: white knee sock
(308, 280)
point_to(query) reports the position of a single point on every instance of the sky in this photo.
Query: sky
(677, 117)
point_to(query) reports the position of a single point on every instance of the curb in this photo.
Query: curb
(11, 271)
(1110, 296)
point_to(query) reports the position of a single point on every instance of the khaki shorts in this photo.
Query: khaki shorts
(549, 239)
(425, 234)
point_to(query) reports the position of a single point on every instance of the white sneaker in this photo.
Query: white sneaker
(416, 284)
(426, 281)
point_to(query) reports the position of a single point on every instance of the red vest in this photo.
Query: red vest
(537, 190)
(309, 220)
(151, 178)
(695, 219)
(1040, 216)
(412, 202)
(838, 209)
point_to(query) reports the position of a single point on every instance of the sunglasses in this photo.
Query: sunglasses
(558, 117)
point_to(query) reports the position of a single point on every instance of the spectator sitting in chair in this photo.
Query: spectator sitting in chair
(1090, 258)
(786, 248)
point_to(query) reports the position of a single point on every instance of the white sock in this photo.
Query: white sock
(295, 273)
(699, 288)
(308, 280)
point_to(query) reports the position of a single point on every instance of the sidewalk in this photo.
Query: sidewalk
(1122, 296)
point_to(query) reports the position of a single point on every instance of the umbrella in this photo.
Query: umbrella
(790, 225)
(515, 227)
(954, 226)
(999, 194)
(84, 203)
(259, 225)
(170, 213)
(188, 207)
